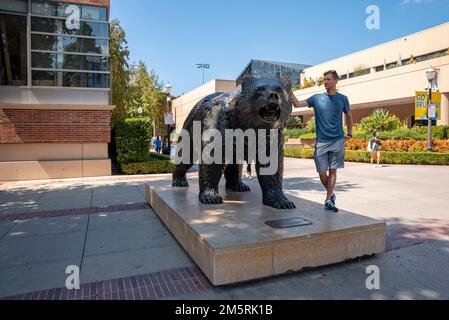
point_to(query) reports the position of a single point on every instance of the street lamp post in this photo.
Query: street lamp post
(202, 66)
(167, 90)
(432, 78)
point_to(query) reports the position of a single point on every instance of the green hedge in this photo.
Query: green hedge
(308, 136)
(148, 167)
(156, 163)
(157, 156)
(295, 133)
(416, 133)
(419, 158)
(438, 132)
(133, 139)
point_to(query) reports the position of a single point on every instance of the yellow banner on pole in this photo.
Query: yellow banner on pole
(421, 105)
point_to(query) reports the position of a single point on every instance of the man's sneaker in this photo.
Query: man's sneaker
(329, 205)
(334, 199)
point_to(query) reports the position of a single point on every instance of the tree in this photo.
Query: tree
(118, 61)
(145, 91)
(133, 87)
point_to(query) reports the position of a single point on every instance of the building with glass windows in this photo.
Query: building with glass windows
(274, 69)
(55, 99)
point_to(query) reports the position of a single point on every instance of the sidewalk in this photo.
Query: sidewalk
(104, 226)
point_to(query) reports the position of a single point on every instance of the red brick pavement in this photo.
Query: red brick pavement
(150, 286)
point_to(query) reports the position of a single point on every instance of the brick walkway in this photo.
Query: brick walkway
(176, 282)
(170, 283)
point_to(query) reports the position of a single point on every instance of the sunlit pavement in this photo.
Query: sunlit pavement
(104, 226)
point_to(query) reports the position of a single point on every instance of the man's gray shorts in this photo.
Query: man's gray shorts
(329, 155)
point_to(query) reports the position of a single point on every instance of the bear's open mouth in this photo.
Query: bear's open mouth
(271, 112)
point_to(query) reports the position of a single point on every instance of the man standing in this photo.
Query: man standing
(330, 146)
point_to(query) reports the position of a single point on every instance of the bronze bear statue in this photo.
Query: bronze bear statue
(257, 103)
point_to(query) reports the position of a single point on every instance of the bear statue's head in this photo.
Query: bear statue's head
(264, 102)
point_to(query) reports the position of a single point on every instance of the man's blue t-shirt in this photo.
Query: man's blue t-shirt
(328, 115)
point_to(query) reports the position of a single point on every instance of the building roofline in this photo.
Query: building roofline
(297, 66)
(378, 45)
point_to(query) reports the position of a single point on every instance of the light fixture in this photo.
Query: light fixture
(167, 89)
(431, 75)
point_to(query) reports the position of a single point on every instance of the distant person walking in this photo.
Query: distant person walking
(374, 147)
(330, 146)
(248, 171)
(157, 145)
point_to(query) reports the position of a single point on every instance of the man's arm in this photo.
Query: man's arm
(349, 123)
(296, 102)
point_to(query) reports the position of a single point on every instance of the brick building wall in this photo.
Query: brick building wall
(52, 126)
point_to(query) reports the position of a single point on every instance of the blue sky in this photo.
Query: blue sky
(172, 36)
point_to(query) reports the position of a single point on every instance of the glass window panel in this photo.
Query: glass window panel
(44, 25)
(43, 60)
(45, 8)
(52, 26)
(43, 42)
(96, 29)
(70, 79)
(95, 80)
(61, 10)
(20, 6)
(44, 78)
(95, 63)
(13, 50)
(69, 44)
(69, 61)
(94, 13)
(96, 46)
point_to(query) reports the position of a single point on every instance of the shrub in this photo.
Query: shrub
(148, 167)
(400, 145)
(361, 135)
(380, 120)
(438, 132)
(356, 144)
(402, 134)
(310, 135)
(299, 153)
(417, 158)
(441, 146)
(311, 125)
(295, 133)
(157, 156)
(156, 163)
(133, 138)
(294, 122)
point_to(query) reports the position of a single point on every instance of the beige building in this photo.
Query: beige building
(387, 75)
(384, 76)
(185, 103)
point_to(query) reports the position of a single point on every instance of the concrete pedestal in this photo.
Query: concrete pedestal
(232, 242)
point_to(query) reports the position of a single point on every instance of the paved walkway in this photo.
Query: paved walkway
(104, 226)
